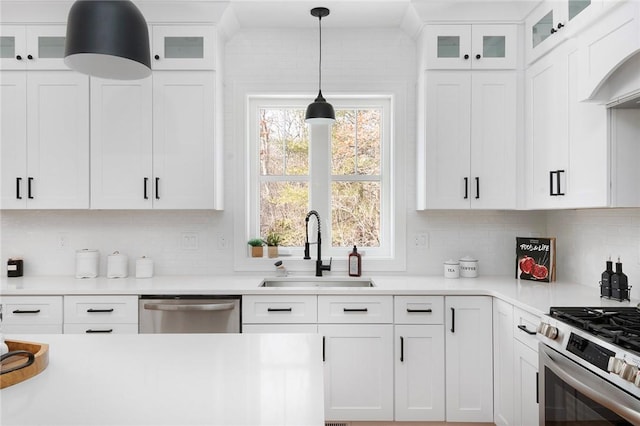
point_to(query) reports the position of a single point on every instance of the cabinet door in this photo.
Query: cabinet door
(183, 139)
(45, 47)
(502, 363)
(469, 355)
(492, 181)
(13, 48)
(448, 121)
(494, 46)
(183, 47)
(526, 385)
(13, 139)
(448, 46)
(546, 149)
(358, 371)
(121, 144)
(57, 140)
(419, 373)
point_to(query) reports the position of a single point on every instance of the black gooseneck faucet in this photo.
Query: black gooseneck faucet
(319, 266)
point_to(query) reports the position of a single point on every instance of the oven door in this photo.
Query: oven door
(572, 395)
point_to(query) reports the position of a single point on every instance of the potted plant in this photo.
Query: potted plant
(273, 241)
(257, 249)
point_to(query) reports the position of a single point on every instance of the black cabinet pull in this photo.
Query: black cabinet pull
(466, 56)
(537, 388)
(560, 25)
(18, 183)
(323, 349)
(29, 57)
(91, 310)
(29, 182)
(156, 57)
(478, 56)
(551, 191)
(355, 309)
(110, 330)
(20, 311)
(466, 188)
(157, 188)
(477, 187)
(18, 57)
(401, 349)
(453, 320)
(145, 185)
(553, 31)
(526, 330)
(559, 192)
(419, 310)
(279, 309)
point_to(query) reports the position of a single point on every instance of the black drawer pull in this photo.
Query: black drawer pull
(466, 188)
(453, 320)
(401, 349)
(526, 330)
(110, 330)
(18, 183)
(144, 183)
(355, 309)
(279, 309)
(91, 310)
(29, 192)
(427, 311)
(20, 311)
(157, 188)
(323, 349)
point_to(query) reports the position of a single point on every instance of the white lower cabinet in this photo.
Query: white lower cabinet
(358, 371)
(526, 385)
(31, 314)
(503, 397)
(101, 314)
(469, 358)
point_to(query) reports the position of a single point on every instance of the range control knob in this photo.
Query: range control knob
(628, 372)
(615, 365)
(548, 330)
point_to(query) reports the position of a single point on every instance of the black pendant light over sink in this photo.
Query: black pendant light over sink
(320, 111)
(108, 39)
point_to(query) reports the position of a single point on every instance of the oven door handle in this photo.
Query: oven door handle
(190, 307)
(607, 402)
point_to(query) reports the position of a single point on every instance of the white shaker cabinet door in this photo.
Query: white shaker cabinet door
(183, 139)
(525, 378)
(57, 140)
(121, 144)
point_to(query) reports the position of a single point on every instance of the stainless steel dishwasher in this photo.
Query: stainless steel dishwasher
(189, 314)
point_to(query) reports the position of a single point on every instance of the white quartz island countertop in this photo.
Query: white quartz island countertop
(172, 379)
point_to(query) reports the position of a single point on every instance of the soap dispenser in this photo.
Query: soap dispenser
(605, 282)
(355, 263)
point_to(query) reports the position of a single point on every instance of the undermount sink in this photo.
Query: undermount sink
(317, 282)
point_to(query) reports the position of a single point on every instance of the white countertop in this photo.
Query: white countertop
(172, 379)
(529, 295)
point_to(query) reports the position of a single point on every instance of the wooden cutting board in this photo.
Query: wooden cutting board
(41, 352)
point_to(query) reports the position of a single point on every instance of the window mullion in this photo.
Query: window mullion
(320, 174)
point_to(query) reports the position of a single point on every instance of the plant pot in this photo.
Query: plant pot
(257, 251)
(272, 251)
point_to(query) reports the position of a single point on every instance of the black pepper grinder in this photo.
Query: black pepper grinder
(619, 283)
(605, 283)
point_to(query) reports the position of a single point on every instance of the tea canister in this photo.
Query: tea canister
(468, 267)
(451, 269)
(117, 265)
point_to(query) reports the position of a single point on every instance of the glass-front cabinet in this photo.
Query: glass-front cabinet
(470, 46)
(34, 47)
(183, 47)
(554, 21)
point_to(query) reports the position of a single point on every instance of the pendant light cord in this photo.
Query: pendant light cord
(320, 61)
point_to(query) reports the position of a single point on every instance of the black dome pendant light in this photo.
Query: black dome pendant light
(108, 39)
(320, 111)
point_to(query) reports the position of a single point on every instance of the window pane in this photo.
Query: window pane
(356, 140)
(7, 47)
(493, 46)
(542, 29)
(577, 6)
(184, 47)
(51, 47)
(284, 142)
(283, 206)
(355, 211)
(448, 47)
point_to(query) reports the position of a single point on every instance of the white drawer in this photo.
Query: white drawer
(419, 309)
(525, 325)
(280, 328)
(100, 310)
(32, 310)
(355, 309)
(101, 328)
(32, 328)
(285, 309)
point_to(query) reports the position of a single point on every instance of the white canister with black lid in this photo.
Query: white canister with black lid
(117, 265)
(87, 261)
(468, 267)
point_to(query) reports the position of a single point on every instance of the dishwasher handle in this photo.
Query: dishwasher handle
(190, 307)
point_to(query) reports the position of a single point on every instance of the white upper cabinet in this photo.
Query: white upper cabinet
(469, 154)
(45, 140)
(32, 47)
(471, 46)
(180, 47)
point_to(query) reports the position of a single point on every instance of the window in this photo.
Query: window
(343, 172)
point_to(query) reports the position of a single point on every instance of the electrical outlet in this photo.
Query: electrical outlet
(222, 241)
(421, 241)
(62, 241)
(189, 241)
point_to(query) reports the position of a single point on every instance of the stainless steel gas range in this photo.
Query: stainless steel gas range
(589, 369)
